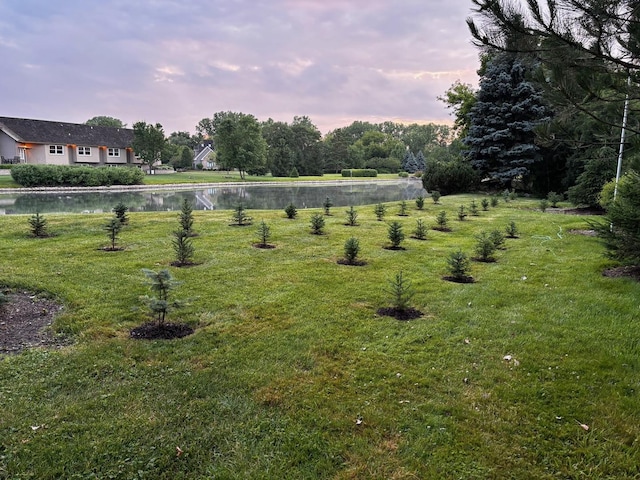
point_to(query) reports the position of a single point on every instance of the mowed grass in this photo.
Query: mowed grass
(291, 374)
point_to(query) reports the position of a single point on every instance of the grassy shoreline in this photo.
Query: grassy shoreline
(291, 374)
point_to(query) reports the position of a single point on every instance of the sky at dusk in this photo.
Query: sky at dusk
(176, 62)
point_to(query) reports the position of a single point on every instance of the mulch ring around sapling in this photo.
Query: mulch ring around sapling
(160, 331)
(184, 264)
(630, 271)
(463, 279)
(354, 263)
(391, 247)
(264, 246)
(403, 314)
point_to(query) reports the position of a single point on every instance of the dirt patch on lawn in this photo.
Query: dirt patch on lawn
(25, 320)
(632, 271)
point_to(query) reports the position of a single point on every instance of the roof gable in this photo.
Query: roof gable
(47, 132)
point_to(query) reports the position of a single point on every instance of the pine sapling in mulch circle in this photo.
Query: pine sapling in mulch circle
(473, 208)
(327, 206)
(403, 209)
(494, 201)
(38, 226)
(485, 248)
(120, 211)
(442, 223)
(380, 210)
(462, 213)
(161, 284)
(352, 217)
(419, 202)
(401, 292)
(485, 204)
(420, 232)
(351, 252)
(498, 239)
(264, 234)
(183, 248)
(291, 211)
(435, 196)
(554, 198)
(317, 224)
(240, 217)
(395, 236)
(459, 266)
(512, 230)
(113, 227)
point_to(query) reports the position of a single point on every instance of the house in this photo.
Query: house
(205, 156)
(24, 140)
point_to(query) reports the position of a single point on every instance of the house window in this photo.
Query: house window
(55, 150)
(113, 152)
(84, 151)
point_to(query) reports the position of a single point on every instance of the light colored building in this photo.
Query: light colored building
(24, 140)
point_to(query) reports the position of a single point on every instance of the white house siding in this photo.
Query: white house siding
(8, 147)
(94, 157)
(120, 160)
(56, 159)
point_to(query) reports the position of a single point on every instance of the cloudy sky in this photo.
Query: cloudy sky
(178, 61)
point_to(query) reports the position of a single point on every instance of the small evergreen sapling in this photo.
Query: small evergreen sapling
(403, 209)
(380, 210)
(420, 231)
(435, 196)
(161, 283)
(351, 251)
(395, 235)
(473, 208)
(401, 292)
(317, 224)
(240, 216)
(485, 248)
(186, 217)
(291, 211)
(554, 198)
(442, 223)
(494, 200)
(458, 266)
(420, 202)
(264, 234)
(327, 206)
(120, 211)
(498, 239)
(485, 204)
(38, 226)
(512, 230)
(113, 227)
(544, 204)
(352, 217)
(462, 213)
(183, 248)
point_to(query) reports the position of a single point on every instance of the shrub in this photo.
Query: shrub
(449, 177)
(183, 248)
(512, 230)
(351, 250)
(380, 210)
(403, 174)
(506, 196)
(317, 224)
(395, 234)
(462, 213)
(74, 176)
(420, 202)
(554, 198)
(359, 172)
(441, 221)
(291, 211)
(513, 195)
(161, 283)
(264, 233)
(240, 216)
(294, 173)
(435, 196)
(420, 231)
(327, 206)
(485, 204)
(494, 200)
(401, 292)
(589, 183)
(497, 238)
(458, 265)
(120, 211)
(352, 217)
(485, 248)
(403, 209)
(113, 227)
(544, 204)
(186, 217)
(384, 165)
(38, 226)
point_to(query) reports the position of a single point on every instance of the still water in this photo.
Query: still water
(222, 197)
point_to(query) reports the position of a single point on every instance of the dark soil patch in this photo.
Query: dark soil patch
(465, 279)
(442, 229)
(184, 264)
(588, 233)
(25, 320)
(111, 249)
(403, 314)
(418, 238)
(484, 260)
(632, 271)
(265, 246)
(355, 263)
(394, 248)
(577, 211)
(164, 331)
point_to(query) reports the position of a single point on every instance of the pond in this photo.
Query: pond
(219, 197)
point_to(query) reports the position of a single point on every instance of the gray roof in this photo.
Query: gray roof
(43, 131)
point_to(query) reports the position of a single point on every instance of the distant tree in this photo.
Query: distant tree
(148, 142)
(104, 121)
(306, 146)
(460, 97)
(420, 162)
(279, 139)
(239, 142)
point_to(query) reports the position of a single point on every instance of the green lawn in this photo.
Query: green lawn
(225, 177)
(292, 375)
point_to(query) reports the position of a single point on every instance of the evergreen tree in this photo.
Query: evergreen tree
(420, 162)
(508, 108)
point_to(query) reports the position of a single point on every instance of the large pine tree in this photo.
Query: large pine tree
(501, 139)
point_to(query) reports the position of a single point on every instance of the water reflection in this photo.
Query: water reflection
(267, 197)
